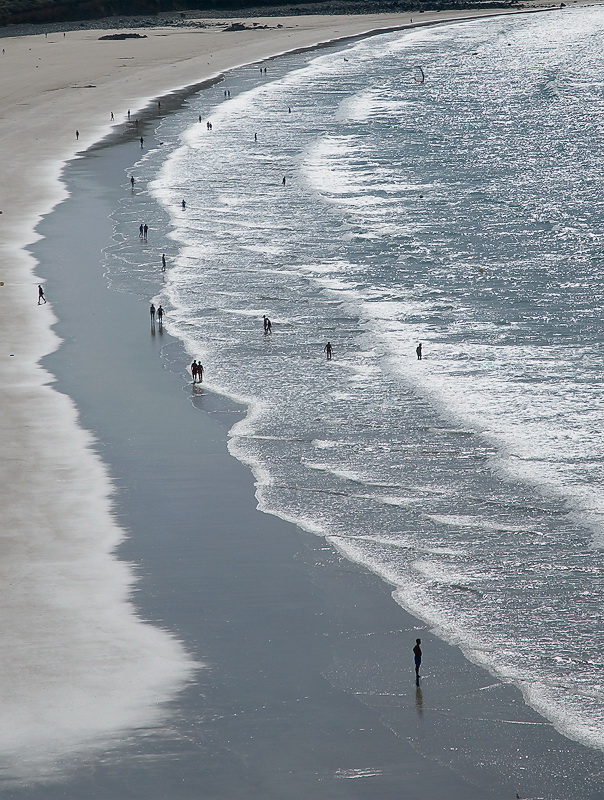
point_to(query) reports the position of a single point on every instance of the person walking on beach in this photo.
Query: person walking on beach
(132, 181)
(163, 262)
(418, 351)
(141, 231)
(417, 653)
(41, 298)
(160, 315)
(142, 141)
(77, 135)
(283, 181)
(145, 231)
(152, 314)
(268, 328)
(199, 372)
(328, 350)
(194, 371)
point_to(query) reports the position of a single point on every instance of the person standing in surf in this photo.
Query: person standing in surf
(328, 351)
(418, 351)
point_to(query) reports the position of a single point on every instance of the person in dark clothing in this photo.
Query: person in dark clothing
(417, 653)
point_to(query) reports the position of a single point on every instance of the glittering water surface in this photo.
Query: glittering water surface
(464, 212)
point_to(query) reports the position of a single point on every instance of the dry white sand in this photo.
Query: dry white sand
(68, 636)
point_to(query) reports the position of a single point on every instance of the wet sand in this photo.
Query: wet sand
(307, 687)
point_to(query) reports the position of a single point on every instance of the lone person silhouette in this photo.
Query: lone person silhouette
(41, 298)
(417, 652)
(328, 350)
(418, 350)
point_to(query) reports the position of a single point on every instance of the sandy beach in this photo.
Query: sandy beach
(271, 684)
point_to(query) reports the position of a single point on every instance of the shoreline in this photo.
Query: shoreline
(23, 376)
(307, 687)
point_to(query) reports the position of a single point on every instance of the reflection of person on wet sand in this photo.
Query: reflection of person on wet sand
(419, 700)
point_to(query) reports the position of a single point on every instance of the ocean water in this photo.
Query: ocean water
(464, 212)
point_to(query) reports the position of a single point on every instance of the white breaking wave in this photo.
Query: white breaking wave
(461, 213)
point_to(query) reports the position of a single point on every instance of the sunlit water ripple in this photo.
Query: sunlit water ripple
(464, 212)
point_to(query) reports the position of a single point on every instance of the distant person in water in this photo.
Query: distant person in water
(183, 204)
(418, 351)
(141, 140)
(199, 372)
(112, 117)
(200, 117)
(267, 324)
(417, 653)
(41, 298)
(141, 230)
(152, 313)
(132, 181)
(328, 351)
(194, 371)
(163, 262)
(77, 135)
(145, 231)
(283, 181)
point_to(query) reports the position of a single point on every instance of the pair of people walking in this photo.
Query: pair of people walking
(197, 371)
(160, 314)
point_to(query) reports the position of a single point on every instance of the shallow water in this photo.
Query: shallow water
(463, 212)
